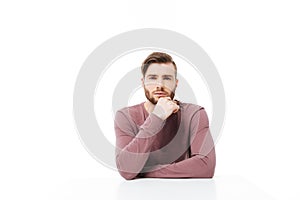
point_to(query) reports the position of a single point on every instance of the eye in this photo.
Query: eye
(167, 78)
(152, 78)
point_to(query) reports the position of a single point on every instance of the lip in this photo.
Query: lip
(160, 94)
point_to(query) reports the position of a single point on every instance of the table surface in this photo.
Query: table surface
(218, 188)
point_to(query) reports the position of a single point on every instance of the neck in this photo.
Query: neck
(149, 106)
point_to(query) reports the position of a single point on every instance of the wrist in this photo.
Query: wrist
(159, 112)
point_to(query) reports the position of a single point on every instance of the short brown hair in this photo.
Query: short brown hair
(157, 57)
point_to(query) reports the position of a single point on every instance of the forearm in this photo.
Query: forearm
(195, 167)
(132, 152)
(131, 159)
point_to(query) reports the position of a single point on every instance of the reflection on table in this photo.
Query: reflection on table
(218, 188)
(167, 189)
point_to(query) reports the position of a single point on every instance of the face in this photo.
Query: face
(160, 81)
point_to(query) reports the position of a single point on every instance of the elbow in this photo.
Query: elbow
(127, 168)
(125, 171)
(127, 176)
(208, 164)
(211, 165)
(208, 172)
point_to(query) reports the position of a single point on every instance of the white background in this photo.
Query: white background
(255, 46)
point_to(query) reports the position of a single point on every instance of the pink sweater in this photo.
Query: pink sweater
(179, 147)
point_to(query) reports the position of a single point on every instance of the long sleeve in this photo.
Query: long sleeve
(201, 163)
(133, 146)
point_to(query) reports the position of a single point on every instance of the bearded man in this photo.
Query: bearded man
(163, 137)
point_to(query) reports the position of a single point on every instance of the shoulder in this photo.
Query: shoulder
(128, 118)
(131, 110)
(132, 114)
(195, 115)
(191, 111)
(190, 108)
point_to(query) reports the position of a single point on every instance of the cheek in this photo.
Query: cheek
(170, 86)
(150, 87)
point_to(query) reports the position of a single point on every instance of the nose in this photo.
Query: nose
(159, 84)
(158, 87)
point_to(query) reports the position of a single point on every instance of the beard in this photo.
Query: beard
(153, 100)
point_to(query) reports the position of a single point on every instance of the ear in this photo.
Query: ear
(143, 81)
(176, 82)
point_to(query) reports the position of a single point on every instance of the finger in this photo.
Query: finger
(175, 102)
(176, 109)
(170, 103)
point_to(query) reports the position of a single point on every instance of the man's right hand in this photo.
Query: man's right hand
(165, 107)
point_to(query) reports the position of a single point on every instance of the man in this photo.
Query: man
(162, 137)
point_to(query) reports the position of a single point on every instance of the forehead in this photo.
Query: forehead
(161, 69)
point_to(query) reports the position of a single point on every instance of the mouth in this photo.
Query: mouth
(160, 94)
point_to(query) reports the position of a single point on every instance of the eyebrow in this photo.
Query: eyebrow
(151, 75)
(170, 76)
(157, 75)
